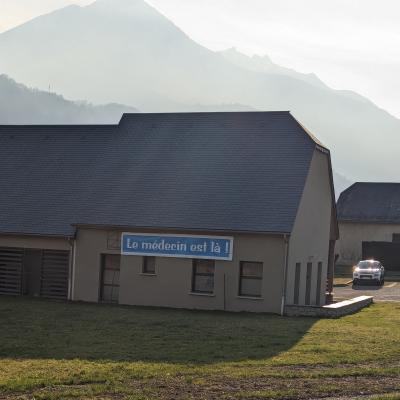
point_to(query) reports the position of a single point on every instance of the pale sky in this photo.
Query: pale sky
(349, 44)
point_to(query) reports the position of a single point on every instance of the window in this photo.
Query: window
(396, 237)
(203, 276)
(110, 269)
(308, 283)
(319, 276)
(297, 284)
(113, 240)
(149, 265)
(250, 281)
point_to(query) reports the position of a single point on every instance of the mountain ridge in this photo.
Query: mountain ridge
(152, 64)
(265, 64)
(20, 105)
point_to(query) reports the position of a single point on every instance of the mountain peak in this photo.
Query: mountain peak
(119, 3)
(126, 6)
(235, 55)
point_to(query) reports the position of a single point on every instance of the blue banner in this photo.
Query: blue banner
(187, 246)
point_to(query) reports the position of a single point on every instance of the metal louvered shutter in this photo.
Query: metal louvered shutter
(54, 274)
(11, 267)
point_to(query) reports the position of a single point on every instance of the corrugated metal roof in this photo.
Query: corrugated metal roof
(370, 202)
(214, 171)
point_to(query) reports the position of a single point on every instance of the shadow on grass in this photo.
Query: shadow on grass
(32, 328)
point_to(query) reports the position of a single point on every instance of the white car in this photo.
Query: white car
(369, 270)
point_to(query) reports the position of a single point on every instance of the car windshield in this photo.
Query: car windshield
(367, 264)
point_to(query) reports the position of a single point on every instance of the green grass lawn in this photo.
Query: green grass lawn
(51, 350)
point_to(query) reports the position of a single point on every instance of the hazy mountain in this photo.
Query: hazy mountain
(125, 51)
(20, 105)
(214, 107)
(341, 183)
(264, 64)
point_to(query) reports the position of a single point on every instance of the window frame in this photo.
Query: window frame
(113, 240)
(195, 274)
(241, 277)
(320, 266)
(309, 278)
(145, 260)
(297, 279)
(103, 269)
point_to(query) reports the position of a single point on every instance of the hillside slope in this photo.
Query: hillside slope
(21, 105)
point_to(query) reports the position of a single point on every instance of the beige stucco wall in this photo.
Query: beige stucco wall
(349, 246)
(309, 241)
(34, 242)
(171, 286)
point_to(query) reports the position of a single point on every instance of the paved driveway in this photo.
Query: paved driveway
(389, 292)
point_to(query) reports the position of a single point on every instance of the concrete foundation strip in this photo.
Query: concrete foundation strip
(334, 310)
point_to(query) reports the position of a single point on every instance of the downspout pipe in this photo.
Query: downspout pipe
(285, 271)
(71, 286)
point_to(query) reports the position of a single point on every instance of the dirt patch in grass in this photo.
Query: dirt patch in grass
(295, 388)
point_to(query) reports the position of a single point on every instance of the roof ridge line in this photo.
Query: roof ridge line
(311, 135)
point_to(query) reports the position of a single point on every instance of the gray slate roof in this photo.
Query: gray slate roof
(206, 171)
(370, 202)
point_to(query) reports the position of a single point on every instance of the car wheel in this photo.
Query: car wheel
(355, 282)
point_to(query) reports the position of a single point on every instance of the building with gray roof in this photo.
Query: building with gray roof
(177, 186)
(369, 223)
